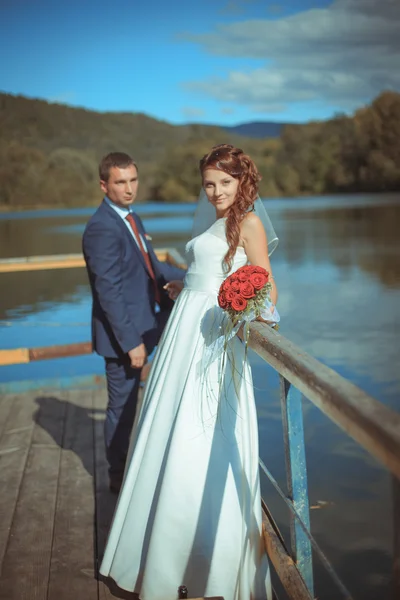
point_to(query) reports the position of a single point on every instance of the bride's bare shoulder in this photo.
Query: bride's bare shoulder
(251, 225)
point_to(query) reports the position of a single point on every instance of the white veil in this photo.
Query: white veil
(204, 217)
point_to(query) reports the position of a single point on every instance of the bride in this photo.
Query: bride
(189, 510)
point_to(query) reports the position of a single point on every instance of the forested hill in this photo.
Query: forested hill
(49, 153)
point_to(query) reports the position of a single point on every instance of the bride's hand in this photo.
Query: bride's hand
(174, 288)
(263, 320)
(270, 323)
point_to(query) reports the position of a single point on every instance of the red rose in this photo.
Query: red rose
(247, 290)
(230, 295)
(235, 286)
(243, 276)
(227, 284)
(239, 303)
(258, 280)
(222, 300)
(261, 270)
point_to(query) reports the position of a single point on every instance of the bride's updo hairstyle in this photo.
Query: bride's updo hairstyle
(239, 165)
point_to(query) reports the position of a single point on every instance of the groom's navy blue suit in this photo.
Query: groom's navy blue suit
(123, 316)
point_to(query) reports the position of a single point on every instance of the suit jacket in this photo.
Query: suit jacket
(123, 314)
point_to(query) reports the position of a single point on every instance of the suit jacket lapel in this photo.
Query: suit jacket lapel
(111, 212)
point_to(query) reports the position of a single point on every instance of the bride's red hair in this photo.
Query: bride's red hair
(239, 165)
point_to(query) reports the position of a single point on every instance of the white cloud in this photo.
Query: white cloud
(342, 55)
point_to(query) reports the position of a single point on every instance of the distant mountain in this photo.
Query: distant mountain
(262, 129)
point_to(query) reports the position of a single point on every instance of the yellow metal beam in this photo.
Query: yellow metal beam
(67, 261)
(15, 356)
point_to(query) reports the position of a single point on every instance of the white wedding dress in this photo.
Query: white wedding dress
(189, 511)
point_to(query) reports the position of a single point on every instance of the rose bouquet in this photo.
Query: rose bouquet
(244, 296)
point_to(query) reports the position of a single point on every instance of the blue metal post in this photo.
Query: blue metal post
(296, 473)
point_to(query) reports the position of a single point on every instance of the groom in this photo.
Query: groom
(130, 306)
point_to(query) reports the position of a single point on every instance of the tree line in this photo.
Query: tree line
(49, 153)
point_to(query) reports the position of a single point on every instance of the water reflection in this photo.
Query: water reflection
(37, 237)
(364, 237)
(34, 291)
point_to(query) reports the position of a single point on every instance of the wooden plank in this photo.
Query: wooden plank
(6, 403)
(105, 500)
(26, 355)
(370, 423)
(72, 568)
(26, 562)
(68, 261)
(15, 442)
(183, 593)
(283, 563)
(396, 538)
(14, 356)
(40, 263)
(296, 475)
(60, 351)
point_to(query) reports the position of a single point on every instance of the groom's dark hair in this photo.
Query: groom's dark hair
(114, 159)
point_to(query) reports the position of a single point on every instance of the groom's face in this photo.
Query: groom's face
(122, 185)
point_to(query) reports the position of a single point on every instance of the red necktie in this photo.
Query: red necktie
(145, 255)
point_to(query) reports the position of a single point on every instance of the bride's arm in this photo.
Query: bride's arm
(255, 244)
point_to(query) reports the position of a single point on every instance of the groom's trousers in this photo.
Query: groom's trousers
(123, 386)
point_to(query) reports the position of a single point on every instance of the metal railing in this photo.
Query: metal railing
(367, 421)
(60, 261)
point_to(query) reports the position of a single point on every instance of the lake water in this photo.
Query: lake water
(337, 267)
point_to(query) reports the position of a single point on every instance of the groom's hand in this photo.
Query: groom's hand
(138, 356)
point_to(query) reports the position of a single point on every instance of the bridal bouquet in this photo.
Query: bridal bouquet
(244, 296)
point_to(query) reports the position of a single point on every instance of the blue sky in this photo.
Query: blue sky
(212, 61)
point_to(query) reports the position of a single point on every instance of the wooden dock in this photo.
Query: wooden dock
(55, 505)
